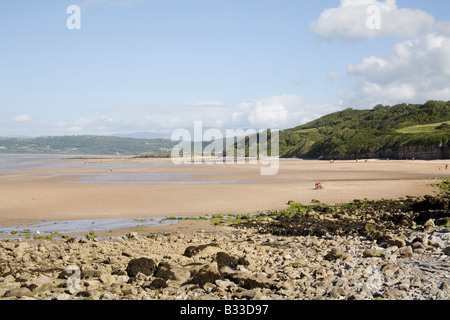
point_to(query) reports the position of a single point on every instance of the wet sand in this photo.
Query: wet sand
(71, 189)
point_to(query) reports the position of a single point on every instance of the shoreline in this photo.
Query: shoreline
(41, 194)
(252, 261)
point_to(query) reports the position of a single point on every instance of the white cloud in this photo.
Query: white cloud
(278, 112)
(416, 70)
(356, 20)
(23, 118)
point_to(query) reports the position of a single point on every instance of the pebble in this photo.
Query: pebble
(341, 267)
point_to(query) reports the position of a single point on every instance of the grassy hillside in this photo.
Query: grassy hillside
(363, 133)
(426, 128)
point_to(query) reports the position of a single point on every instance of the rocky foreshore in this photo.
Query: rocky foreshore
(228, 263)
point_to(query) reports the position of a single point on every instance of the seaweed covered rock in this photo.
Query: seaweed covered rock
(145, 266)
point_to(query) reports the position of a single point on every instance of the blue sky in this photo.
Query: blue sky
(160, 65)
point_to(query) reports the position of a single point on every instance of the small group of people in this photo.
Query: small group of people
(319, 185)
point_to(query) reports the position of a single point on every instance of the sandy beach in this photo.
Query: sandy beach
(63, 188)
(399, 252)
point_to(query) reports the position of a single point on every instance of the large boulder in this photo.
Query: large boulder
(202, 250)
(247, 280)
(172, 273)
(145, 266)
(224, 259)
(43, 283)
(207, 274)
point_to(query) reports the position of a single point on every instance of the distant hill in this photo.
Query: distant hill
(398, 132)
(98, 145)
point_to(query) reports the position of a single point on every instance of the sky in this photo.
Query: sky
(124, 66)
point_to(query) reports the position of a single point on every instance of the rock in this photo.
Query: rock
(242, 264)
(368, 253)
(129, 290)
(436, 242)
(395, 241)
(119, 272)
(394, 294)
(164, 272)
(417, 247)
(337, 292)
(22, 246)
(224, 284)
(145, 266)
(89, 273)
(19, 292)
(9, 279)
(416, 282)
(127, 253)
(429, 226)
(253, 294)
(72, 240)
(44, 283)
(443, 222)
(446, 250)
(107, 296)
(247, 280)
(89, 294)
(132, 235)
(122, 279)
(204, 249)
(168, 272)
(406, 252)
(157, 284)
(388, 269)
(208, 273)
(63, 296)
(335, 254)
(223, 259)
(107, 278)
(286, 286)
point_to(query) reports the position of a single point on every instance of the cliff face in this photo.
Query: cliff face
(423, 152)
(432, 152)
(417, 151)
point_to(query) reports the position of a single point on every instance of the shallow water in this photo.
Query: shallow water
(154, 178)
(29, 162)
(78, 226)
(26, 162)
